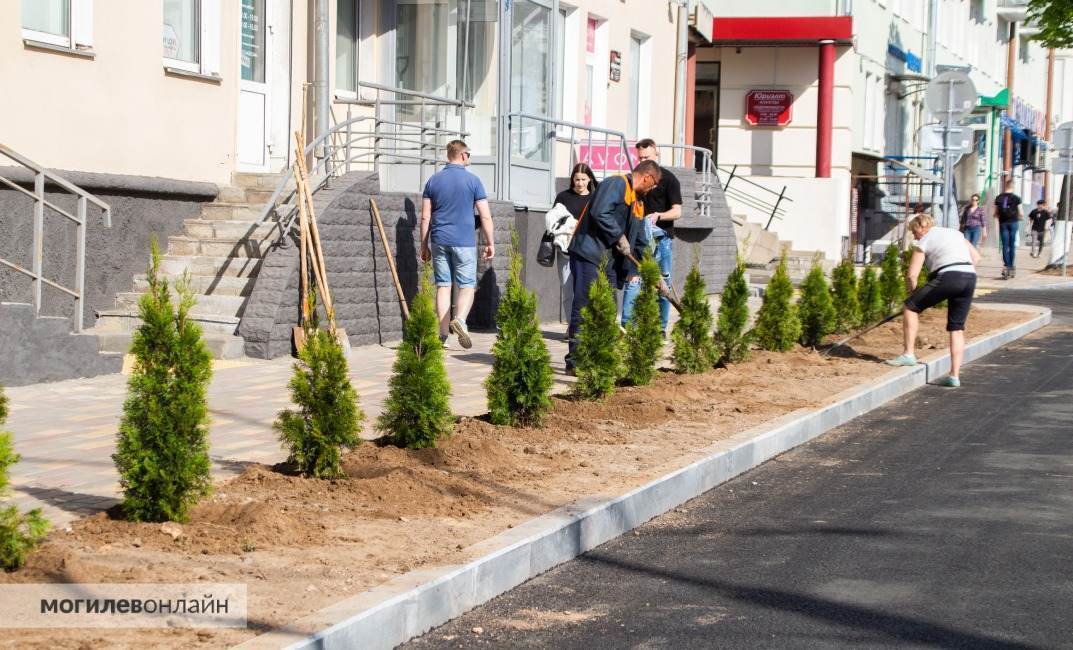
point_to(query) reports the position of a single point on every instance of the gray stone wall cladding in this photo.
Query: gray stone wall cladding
(363, 293)
(43, 349)
(113, 255)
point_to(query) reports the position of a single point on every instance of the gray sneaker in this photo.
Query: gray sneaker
(458, 328)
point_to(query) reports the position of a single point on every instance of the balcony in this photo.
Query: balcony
(1012, 11)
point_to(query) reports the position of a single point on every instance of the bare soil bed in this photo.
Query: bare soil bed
(302, 544)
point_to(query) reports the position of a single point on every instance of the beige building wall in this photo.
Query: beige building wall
(656, 20)
(119, 113)
(777, 158)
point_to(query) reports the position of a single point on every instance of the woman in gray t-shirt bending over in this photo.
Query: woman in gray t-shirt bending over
(952, 261)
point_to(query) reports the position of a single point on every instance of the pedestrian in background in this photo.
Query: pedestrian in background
(663, 206)
(974, 222)
(615, 220)
(1009, 213)
(1040, 218)
(953, 279)
(560, 221)
(449, 239)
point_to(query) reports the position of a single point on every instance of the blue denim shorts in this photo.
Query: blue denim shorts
(454, 265)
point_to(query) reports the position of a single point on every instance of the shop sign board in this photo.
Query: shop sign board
(769, 107)
(607, 157)
(616, 65)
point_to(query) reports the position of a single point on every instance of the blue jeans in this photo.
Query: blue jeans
(1007, 233)
(582, 275)
(454, 264)
(972, 233)
(664, 258)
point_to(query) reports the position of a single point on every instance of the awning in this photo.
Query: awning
(1016, 130)
(998, 100)
(782, 30)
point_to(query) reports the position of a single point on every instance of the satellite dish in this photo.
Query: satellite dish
(951, 96)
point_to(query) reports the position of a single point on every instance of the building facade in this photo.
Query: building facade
(182, 114)
(882, 143)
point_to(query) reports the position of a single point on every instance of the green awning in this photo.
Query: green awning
(999, 100)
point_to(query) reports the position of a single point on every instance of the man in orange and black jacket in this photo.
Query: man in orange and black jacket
(615, 221)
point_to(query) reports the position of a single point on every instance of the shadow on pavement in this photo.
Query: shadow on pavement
(895, 626)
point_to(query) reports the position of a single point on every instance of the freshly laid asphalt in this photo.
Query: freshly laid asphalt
(943, 519)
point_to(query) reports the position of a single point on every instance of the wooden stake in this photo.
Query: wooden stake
(390, 260)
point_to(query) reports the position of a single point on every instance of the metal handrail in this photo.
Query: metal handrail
(773, 210)
(36, 275)
(381, 138)
(704, 196)
(610, 138)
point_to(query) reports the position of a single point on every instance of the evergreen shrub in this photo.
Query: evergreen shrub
(846, 297)
(815, 307)
(731, 338)
(328, 418)
(644, 333)
(519, 386)
(871, 298)
(891, 280)
(417, 411)
(777, 325)
(694, 350)
(19, 533)
(162, 452)
(598, 362)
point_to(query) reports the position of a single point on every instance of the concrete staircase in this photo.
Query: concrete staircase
(762, 249)
(222, 252)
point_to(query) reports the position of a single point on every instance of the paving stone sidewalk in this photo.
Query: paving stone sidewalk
(1028, 267)
(66, 431)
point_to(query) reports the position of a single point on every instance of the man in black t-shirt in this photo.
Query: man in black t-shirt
(1009, 214)
(663, 205)
(1039, 218)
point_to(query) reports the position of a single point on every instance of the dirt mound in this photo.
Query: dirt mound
(302, 544)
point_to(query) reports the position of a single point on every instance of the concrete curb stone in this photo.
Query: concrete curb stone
(415, 602)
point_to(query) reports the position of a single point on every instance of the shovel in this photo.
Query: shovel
(664, 290)
(846, 340)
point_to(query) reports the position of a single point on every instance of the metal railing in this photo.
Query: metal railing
(405, 128)
(616, 154)
(707, 177)
(82, 201)
(772, 208)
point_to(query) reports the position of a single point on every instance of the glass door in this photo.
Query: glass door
(253, 96)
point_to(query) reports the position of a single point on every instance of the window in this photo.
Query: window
(869, 107)
(252, 57)
(529, 84)
(191, 36)
(346, 45)
(639, 65)
(181, 31)
(420, 44)
(65, 23)
(51, 17)
(597, 63)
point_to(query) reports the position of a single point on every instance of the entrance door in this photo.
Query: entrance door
(253, 96)
(706, 109)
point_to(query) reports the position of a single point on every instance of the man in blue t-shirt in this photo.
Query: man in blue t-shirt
(448, 237)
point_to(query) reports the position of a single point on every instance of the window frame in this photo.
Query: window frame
(180, 64)
(79, 36)
(345, 93)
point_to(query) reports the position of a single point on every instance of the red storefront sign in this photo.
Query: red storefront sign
(769, 107)
(607, 157)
